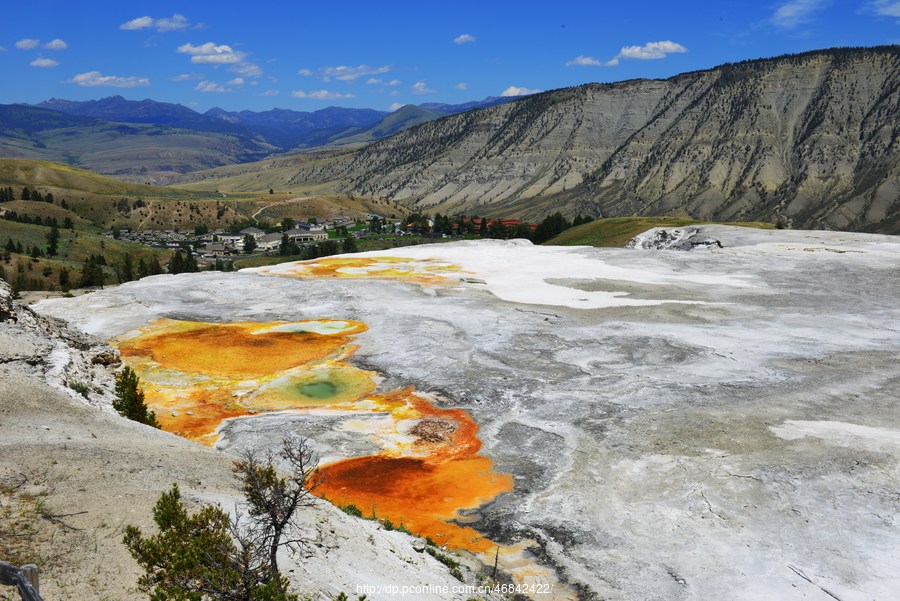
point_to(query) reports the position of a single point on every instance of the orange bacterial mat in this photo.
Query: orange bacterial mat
(195, 375)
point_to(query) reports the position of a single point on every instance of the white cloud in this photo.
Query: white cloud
(796, 12)
(649, 51)
(344, 73)
(584, 61)
(212, 54)
(374, 81)
(397, 105)
(187, 77)
(56, 44)
(28, 44)
(237, 81)
(173, 23)
(305, 72)
(518, 91)
(95, 79)
(885, 8)
(44, 62)
(269, 93)
(2, 49)
(139, 23)
(393, 82)
(420, 87)
(247, 69)
(462, 86)
(210, 86)
(321, 95)
(464, 39)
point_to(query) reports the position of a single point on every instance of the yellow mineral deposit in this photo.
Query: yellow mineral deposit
(421, 271)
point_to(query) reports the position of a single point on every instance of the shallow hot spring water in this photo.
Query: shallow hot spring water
(195, 375)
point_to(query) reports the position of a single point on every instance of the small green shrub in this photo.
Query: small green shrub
(403, 529)
(352, 509)
(81, 388)
(388, 524)
(452, 564)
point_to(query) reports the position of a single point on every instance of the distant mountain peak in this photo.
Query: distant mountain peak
(468, 106)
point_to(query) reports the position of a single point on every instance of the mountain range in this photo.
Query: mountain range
(153, 141)
(810, 139)
(284, 128)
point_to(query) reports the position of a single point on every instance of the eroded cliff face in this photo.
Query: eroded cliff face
(812, 137)
(65, 358)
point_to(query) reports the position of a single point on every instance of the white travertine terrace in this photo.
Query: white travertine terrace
(715, 424)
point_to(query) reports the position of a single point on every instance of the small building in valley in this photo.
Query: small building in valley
(305, 232)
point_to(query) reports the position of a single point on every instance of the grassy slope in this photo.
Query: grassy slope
(74, 247)
(617, 231)
(58, 176)
(93, 198)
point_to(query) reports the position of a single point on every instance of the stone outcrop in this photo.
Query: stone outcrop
(79, 364)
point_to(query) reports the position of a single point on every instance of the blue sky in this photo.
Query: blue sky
(309, 55)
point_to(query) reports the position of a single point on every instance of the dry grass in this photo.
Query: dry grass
(30, 531)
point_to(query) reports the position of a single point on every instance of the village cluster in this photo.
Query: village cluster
(222, 243)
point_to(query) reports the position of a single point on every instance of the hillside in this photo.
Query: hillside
(135, 151)
(400, 120)
(812, 137)
(104, 202)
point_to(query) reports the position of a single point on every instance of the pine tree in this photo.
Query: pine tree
(176, 263)
(91, 273)
(129, 401)
(52, 241)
